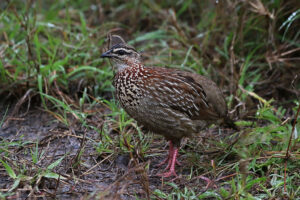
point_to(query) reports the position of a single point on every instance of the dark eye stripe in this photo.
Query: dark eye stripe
(122, 52)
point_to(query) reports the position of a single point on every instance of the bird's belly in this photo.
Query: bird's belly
(164, 121)
(157, 118)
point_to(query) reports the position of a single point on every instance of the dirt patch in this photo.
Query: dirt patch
(36, 140)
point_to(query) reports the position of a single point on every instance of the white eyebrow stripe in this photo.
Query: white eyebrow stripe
(122, 49)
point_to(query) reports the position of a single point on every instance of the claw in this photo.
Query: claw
(168, 174)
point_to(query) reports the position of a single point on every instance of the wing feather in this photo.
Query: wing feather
(182, 92)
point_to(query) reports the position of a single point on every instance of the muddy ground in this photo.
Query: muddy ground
(84, 172)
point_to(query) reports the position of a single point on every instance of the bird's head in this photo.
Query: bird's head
(121, 54)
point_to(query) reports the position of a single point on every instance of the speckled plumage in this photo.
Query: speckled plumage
(167, 101)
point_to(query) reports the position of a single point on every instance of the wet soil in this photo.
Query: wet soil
(85, 171)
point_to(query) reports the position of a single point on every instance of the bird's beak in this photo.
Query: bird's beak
(106, 54)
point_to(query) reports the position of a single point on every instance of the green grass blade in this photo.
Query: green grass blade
(9, 169)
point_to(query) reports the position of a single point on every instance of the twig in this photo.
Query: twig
(287, 154)
(17, 107)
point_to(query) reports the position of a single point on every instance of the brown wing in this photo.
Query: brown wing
(185, 92)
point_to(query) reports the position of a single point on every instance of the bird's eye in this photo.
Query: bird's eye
(121, 52)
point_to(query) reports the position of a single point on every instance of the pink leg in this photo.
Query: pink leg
(169, 158)
(171, 172)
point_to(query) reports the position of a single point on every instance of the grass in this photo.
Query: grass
(63, 135)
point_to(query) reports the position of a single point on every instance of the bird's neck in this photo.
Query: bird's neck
(121, 66)
(126, 65)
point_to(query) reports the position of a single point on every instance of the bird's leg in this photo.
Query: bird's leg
(169, 158)
(171, 155)
(172, 165)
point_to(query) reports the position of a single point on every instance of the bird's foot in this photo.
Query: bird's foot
(169, 161)
(171, 164)
(163, 162)
(169, 158)
(178, 163)
(168, 174)
(171, 149)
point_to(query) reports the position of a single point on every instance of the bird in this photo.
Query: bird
(167, 101)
